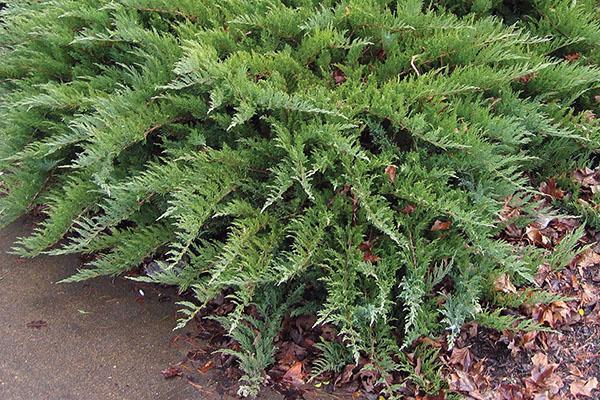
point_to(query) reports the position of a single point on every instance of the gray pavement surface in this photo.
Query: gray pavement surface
(100, 341)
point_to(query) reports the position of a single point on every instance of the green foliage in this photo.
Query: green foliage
(271, 146)
(255, 337)
(496, 320)
(427, 375)
(567, 249)
(334, 357)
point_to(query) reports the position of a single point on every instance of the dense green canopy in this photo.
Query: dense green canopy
(349, 157)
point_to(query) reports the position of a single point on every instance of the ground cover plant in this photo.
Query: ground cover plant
(356, 161)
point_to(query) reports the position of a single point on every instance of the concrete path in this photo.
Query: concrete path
(98, 341)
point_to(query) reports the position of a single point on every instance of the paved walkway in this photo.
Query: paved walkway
(99, 342)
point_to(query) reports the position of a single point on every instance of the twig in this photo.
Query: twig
(412, 64)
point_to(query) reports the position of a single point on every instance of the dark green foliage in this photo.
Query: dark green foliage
(260, 146)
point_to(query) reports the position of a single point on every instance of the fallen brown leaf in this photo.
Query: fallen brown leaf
(506, 391)
(346, 375)
(365, 246)
(289, 353)
(439, 396)
(534, 235)
(553, 314)
(580, 387)
(587, 296)
(441, 225)
(295, 375)
(542, 376)
(575, 371)
(338, 76)
(572, 57)
(587, 177)
(513, 231)
(526, 78)
(461, 357)
(390, 170)
(509, 211)
(369, 378)
(503, 284)
(462, 382)
(408, 209)
(551, 189)
(589, 258)
(370, 257)
(38, 324)
(171, 372)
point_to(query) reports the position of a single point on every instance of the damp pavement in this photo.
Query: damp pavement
(94, 340)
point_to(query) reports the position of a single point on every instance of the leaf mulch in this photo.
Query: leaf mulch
(561, 363)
